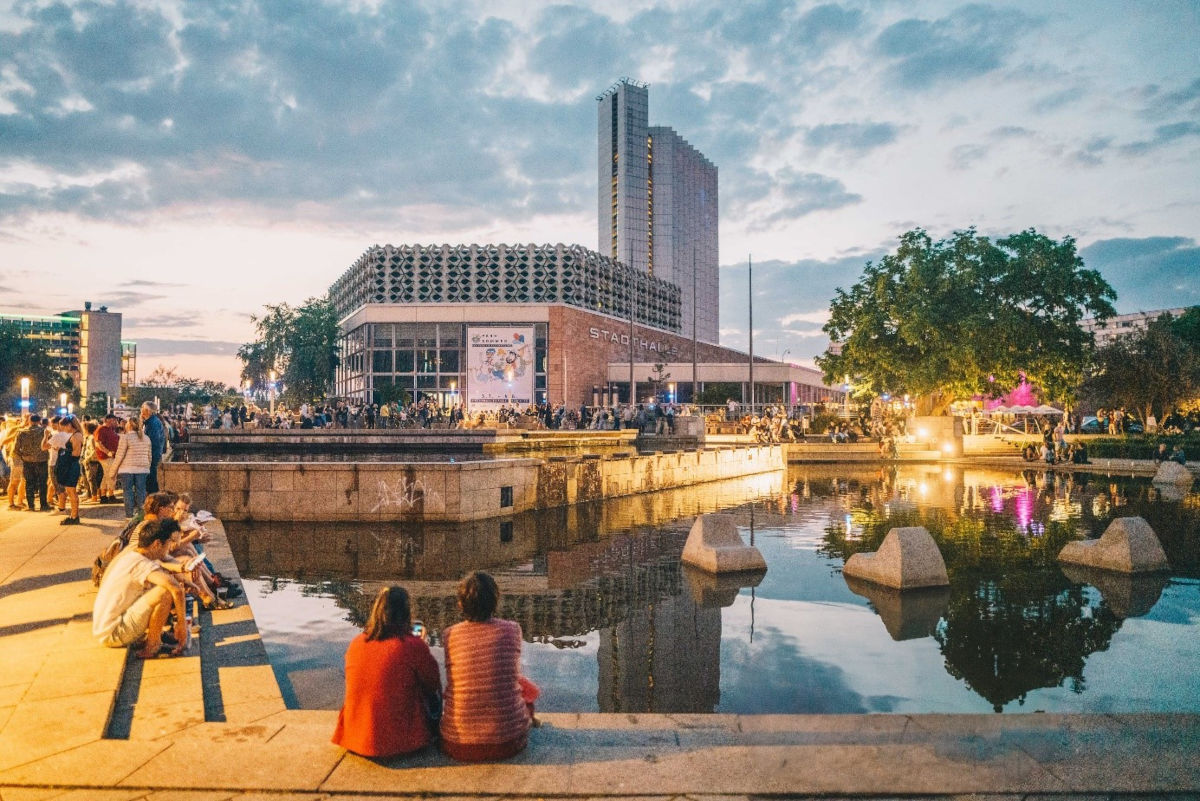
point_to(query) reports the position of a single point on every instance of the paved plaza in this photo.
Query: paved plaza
(78, 721)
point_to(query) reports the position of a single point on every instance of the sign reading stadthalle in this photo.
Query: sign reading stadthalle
(499, 367)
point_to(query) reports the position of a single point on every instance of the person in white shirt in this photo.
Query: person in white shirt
(136, 595)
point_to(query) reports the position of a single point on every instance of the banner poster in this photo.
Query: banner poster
(499, 367)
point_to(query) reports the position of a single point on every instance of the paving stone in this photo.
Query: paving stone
(101, 763)
(77, 720)
(271, 767)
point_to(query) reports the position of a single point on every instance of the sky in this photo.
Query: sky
(186, 163)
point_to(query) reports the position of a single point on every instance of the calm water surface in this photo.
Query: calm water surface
(614, 624)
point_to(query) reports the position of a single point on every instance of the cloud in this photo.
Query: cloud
(1148, 270)
(965, 156)
(176, 320)
(1163, 135)
(971, 41)
(1184, 101)
(184, 347)
(1093, 151)
(141, 282)
(859, 137)
(1057, 100)
(120, 301)
(816, 317)
(797, 194)
(787, 294)
(1011, 132)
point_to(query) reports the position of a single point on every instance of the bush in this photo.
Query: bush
(1141, 446)
(822, 422)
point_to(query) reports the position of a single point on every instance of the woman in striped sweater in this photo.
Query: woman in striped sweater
(131, 465)
(488, 703)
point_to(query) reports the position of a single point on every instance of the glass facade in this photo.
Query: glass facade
(416, 361)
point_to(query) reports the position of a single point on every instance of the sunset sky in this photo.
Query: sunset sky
(186, 163)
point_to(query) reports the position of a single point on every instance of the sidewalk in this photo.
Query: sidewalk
(213, 726)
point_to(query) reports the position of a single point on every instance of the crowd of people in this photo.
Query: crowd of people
(146, 575)
(58, 463)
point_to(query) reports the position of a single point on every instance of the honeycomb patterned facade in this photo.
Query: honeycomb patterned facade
(567, 274)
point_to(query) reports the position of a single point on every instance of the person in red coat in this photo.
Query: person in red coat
(389, 673)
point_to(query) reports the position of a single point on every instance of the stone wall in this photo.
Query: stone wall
(447, 491)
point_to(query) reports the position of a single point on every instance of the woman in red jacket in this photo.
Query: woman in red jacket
(389, 673)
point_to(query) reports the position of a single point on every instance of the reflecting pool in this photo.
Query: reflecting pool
(613, 623)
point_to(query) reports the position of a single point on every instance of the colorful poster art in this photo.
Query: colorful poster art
(500, 367)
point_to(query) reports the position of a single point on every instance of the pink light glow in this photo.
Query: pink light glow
(1021, 395)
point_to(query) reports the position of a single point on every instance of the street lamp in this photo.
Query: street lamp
(671, 391)
(62, 403)
(453, 394)
(272, 392)
(783, 355)
(24, 394)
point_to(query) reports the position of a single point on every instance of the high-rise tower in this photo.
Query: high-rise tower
(657, 204)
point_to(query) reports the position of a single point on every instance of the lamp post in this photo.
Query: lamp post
(671, 391)
(453, 394)
(783, 355)
(62, 403)
(24, 394)
(272, 389)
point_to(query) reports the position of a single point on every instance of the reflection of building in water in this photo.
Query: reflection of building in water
(663, 657)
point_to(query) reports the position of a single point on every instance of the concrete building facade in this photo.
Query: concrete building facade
(1124, 324)
(657, 204)
(87, 344)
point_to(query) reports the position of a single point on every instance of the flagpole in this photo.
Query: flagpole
(632, 296)
(694, 325)
(750, 290)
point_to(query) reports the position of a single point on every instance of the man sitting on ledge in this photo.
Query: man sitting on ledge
(137, 594)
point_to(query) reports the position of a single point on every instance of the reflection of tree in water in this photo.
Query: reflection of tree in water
(1005, 635)
(1014, 623)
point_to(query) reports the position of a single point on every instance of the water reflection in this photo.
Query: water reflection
(614, 623)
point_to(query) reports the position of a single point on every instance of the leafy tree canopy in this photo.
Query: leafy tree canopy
(1155, 370)
(170, 387)
(299, 344)
(963, 316)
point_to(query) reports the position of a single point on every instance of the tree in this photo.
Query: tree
(966, 316)
(171, 388)
(658, 379)
(299, 345)
(1154, 370)
(24, 357)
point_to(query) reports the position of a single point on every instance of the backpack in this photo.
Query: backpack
(29, 445)
(101, 562)
(106, 556)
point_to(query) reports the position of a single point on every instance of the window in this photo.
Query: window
(449, 361)
(404, 361)
(381, 361)
(506, 498)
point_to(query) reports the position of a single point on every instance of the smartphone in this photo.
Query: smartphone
(418, 629)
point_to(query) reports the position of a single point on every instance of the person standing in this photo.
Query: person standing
(34, 462)
(108, 437)
(389, 675)
(132, 463)
(67, 467)
(153, 427)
